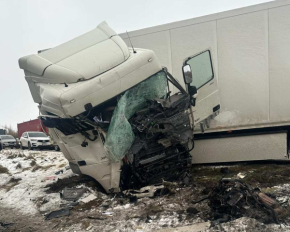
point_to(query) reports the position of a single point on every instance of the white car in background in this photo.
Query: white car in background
(34, 139)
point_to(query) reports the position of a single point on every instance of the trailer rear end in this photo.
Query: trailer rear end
(32, 125)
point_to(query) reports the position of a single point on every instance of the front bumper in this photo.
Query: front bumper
(41, 144)
(8, 144)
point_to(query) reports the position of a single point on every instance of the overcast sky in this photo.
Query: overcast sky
(31, 25)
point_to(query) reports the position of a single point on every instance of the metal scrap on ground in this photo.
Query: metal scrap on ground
(58, 213)
(233, 198)
(72, 194)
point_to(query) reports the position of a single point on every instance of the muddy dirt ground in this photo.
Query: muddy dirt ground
(171, 209)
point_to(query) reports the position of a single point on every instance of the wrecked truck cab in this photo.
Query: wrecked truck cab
(111, 111)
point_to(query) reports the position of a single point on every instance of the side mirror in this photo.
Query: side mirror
(187, 74)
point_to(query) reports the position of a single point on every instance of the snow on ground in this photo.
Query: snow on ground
(27, 177)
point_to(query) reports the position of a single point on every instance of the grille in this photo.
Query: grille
(42, 141)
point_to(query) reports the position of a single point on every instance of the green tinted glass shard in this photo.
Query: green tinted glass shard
(120, 136)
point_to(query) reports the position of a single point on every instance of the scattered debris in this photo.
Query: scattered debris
(106, 203)
(147, 191)
(3, 224)
(69, 205)
(178, 210)
(88, 228)
(192, 228)
(72, 194)
(171, 186)
(110, 214)
(241, 175)
(233, 198)
(97, 217)
(89, 198)
(58, 213)
(58, 172)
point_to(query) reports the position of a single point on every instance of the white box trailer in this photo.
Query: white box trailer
(250, 49)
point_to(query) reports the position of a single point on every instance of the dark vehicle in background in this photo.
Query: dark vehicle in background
(34, 139)
(3, 131)
(7, 141)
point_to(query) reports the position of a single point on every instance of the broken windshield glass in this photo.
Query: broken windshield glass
(120, 135)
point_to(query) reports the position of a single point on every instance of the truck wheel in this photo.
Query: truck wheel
(56, 148)
(29, 146)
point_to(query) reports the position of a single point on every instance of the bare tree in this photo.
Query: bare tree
(11, 131)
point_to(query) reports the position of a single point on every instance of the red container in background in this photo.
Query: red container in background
(32, 125)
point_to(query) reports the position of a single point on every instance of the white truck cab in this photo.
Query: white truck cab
(112, 111)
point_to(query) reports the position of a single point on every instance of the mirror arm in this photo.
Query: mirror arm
(192, 100)
(173, 81)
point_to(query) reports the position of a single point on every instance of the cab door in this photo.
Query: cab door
(202, 86)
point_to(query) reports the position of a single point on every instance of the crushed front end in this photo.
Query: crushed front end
(155, 142)
(110, 110)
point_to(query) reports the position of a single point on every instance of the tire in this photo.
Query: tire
(56, 148)
(29, 146)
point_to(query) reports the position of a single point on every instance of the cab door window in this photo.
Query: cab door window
(201, 69)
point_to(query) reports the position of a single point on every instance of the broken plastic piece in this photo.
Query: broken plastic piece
(108, 213)
(72, 194)
(57, 214)
(69, 205)
(147, 191)
(89, 198)
(3, 224)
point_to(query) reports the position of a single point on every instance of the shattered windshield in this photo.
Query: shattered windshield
(120, 136)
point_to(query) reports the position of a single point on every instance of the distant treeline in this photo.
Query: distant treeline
(11, 131)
